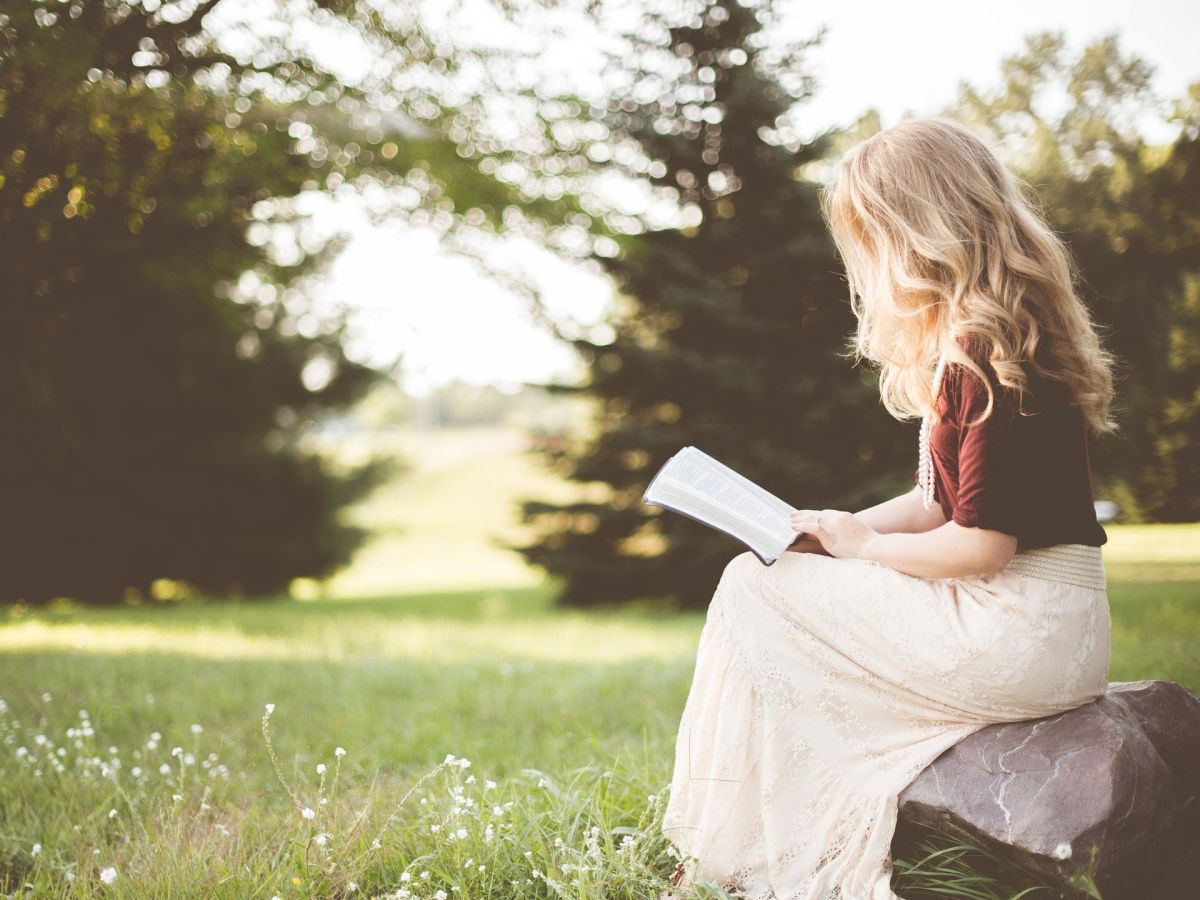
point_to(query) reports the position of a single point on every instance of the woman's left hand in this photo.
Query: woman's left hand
(840, 533)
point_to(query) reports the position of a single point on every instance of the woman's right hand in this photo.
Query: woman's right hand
(807, 543)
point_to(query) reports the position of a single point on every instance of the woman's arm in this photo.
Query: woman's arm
(948, 551)
(904, 513)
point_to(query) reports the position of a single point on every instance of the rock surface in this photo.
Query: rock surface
(1122, 773)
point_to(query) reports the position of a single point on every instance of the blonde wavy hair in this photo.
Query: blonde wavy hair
(940, 244)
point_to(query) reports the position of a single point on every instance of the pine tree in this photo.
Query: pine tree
(731, 334)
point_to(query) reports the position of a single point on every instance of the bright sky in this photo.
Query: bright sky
(447, 322)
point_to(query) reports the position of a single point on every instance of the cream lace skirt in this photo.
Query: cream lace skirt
(823, 686)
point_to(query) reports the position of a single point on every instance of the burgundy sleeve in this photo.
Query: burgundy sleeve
(987, 467)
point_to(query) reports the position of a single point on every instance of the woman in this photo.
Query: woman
(825, 683)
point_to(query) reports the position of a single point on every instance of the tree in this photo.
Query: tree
(162, 359)
(731, 332)
(1131, 215)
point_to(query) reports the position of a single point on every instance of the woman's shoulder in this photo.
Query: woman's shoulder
(969, 392)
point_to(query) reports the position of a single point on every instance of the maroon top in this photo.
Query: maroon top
(1027, 474)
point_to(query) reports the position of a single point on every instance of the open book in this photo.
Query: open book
(694, 484)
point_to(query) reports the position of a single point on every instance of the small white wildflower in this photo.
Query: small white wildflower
(542, 782)
(464, 763)
(405, 876)
(270, 708)
(308, 813)
(450, 758)
(375, 845)
(1062, 851)
(109, 875)
(164, 769)
(352, 886)
(177, 751)
(196, 728)
(320, 768)
(321, 839)
(651, 798)
(440, 895)
(435, 828)
(35, 850)
(425, 874)
(461, 833)
(488, 784)
(470, 779)
(112, 813)
(339, 752)
(178, 798)
(482, 867)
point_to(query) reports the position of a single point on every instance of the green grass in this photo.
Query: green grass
(572, 715)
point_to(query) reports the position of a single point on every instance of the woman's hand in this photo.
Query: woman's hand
(839, 533)
(806, 544)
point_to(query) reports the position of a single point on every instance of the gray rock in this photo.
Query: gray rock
(1121, 773)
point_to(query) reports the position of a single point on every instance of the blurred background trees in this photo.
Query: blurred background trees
(153, 413)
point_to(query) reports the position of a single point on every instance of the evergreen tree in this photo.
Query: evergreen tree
(162, 362)
(731, 333)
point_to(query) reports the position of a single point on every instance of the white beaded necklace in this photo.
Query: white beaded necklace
(924, 456)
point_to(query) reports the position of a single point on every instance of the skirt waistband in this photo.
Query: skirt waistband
(1078, 564)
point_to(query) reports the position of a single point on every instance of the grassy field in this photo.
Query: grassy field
(134, 760)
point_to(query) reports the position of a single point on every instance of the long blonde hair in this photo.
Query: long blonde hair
(940, 245)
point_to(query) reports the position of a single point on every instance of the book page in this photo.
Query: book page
(728, 493)
(766, 547)
(761, 493)
(712, 511)
(697, 485)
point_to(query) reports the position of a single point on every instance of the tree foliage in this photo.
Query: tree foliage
(163, 361)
